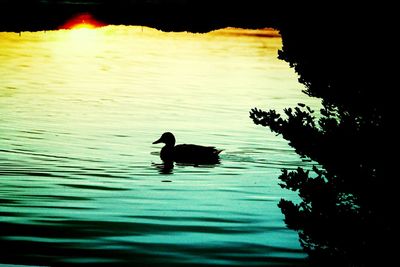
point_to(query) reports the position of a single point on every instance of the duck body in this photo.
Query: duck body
(186, 153)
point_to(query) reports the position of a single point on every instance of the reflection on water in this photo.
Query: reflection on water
(81, 183)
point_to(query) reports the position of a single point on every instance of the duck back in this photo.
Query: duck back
(188, 153)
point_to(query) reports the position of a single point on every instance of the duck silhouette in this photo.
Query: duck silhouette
(186, 153)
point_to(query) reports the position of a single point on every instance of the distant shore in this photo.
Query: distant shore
(167, 15)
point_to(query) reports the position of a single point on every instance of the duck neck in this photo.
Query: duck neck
(169, 145)
(167, 152)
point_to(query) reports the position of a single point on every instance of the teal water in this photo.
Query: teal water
(80, 181)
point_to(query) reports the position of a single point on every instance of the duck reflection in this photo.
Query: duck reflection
(166, 167)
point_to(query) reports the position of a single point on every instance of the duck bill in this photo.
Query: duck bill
(157, 142)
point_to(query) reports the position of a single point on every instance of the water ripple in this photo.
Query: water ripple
(80, 181)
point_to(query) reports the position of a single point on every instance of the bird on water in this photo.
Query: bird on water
(186, 153)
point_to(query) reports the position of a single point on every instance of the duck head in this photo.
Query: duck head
(167, 138)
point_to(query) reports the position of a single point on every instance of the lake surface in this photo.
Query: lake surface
(80, 181)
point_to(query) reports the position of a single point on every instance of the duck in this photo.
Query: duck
(186, 153)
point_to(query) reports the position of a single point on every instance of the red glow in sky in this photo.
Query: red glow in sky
(82, 21)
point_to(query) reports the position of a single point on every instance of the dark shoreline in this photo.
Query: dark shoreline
(172, 15)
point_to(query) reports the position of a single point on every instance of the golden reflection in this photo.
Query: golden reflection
(83, 36)
(123, 55)
(264, 32)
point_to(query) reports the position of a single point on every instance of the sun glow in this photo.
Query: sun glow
(82, 21)
(82, 32)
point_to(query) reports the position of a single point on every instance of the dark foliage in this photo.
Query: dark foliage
(347, 208)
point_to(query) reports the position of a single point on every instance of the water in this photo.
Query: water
(80, 181)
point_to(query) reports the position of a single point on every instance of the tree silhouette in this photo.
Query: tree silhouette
(346, 213)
